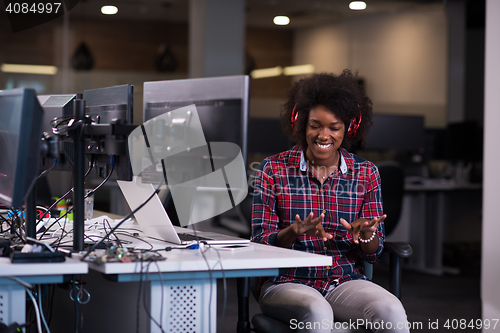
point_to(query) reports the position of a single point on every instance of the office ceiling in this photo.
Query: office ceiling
(302, 13)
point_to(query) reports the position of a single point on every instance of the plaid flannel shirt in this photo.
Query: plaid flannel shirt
(284, 186)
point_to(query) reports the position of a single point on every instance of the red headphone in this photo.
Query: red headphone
(354, 125)
(295, 115)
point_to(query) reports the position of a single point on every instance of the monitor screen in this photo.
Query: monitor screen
(104, 106)
(222, 111)
(57, 107)
(221, 103)
(460, 149)
(265, 137)
(396, 132)
(20, 138)
(220, 119)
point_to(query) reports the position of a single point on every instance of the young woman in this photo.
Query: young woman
(318, 197)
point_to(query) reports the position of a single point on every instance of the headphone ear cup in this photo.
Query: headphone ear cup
(295, 115)
(350, 131)
(353, 127)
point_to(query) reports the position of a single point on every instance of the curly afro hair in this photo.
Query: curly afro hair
(342, 94)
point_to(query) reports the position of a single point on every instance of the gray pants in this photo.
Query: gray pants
(353, 304)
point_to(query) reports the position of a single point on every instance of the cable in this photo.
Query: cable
(162, 296)
(224, 283)
(210, 277)
(33, 182)
(118, 242)
(138, 299)
(21, 282)
(138, 238)
(52, 291)
(41, 309)
(160, 325)
(91, 192)
(68, 210)
(211, 291)
(123, 220)
(77, 309)
(37, 311)
(91, 166)
(13, 228)
(67, 124)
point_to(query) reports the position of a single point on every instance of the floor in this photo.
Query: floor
(430, 301)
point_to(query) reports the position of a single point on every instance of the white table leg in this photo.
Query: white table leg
(12, 303)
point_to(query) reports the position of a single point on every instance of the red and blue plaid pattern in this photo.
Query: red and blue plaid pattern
(283, 189)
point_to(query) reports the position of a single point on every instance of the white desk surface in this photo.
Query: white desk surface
(70, 266)
(259, 256)
(437, 185)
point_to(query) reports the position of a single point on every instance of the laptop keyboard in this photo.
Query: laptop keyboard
(191, 237)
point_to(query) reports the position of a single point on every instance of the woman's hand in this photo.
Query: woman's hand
(362, 227)
(311, 227)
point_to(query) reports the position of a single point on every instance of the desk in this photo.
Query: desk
(423, 221)
(189, 290)
(13, 295)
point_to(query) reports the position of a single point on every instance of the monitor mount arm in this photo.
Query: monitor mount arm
(115, 136)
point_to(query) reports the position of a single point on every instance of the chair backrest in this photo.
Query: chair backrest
(393, 180)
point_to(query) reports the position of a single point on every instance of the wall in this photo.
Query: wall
(402, 57)
(124, 53)
(490, 293)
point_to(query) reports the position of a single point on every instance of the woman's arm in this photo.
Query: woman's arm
(370, 221)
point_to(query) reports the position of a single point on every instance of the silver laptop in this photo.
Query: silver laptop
(155, 223)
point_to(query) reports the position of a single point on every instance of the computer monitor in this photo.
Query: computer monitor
(464, 142)
(20, 138)
(265, 137)
(221, 104)
(105, 106)
(396, 132)
(57, 107)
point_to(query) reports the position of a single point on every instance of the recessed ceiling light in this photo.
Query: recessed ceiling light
(357, 5)
(299, 69)
(28, 69)
(266, 72)
(281, 20)
(109, 10)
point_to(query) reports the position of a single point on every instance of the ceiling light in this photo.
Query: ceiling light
(28, 69)
(281, 20)
(298, 70)
(109, 10)
(266, 72)
(357, 5)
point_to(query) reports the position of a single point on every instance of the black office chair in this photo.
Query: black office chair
(392, 179)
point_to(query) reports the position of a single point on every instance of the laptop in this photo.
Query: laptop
(154, 221)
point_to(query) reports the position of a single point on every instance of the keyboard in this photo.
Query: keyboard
(191, 237)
